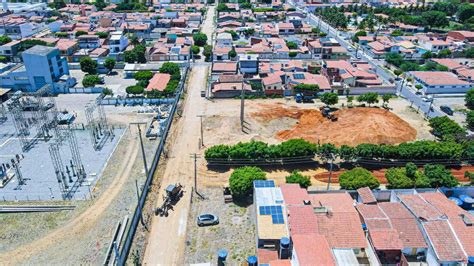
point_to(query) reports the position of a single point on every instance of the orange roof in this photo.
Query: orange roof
(385, 239)
(312, 249)
(158, 82)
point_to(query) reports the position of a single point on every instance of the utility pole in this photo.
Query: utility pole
(195, 157)
(202, 133)
(141, 144)
(330, 170)
(242, 104)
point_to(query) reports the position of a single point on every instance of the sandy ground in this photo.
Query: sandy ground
(366, 125)
(166, 240)
(167, 235)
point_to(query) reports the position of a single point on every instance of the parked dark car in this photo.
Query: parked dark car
(207, 219)
(446, 109)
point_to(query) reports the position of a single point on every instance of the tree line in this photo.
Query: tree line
(417, 150)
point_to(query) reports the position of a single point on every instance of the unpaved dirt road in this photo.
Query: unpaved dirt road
(166, 241)
(167, 236)
(82, 223)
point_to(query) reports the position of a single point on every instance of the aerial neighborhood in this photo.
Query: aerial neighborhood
(250, 132)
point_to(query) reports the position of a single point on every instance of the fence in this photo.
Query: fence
(137, 213)
(135, 101)
(84, 90)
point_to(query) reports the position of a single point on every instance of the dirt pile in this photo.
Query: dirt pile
(354, 126)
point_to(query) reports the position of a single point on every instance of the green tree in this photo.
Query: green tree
(143, 75)
(427, 55)
(88, 65)
(221, 7)
(444, 53)
(129, 57)
(5, 39)
(139, 52)
(369, 98)
(245, 5)
(465, 12)
(90, 80)
(359, 34)
(329, 98)
(241, 180)
(134, 39)
(102, 34)
(232, 53)
(234, 34)
(3, 59)
(135, 90)
(292, 54)
(469, 98)
(469, 52)
(436, 19)
(291, 45)
(195, 49)
(397, 72)
(470, 119)
(445, 128)
(314, 88)
(249, 31)
(386, 98)
(410, 170)
(439, 176)
(80, 33)
(297, 178)
(100, 4)
(358, 178)
(107, 91)
(109, 63)
(200, 39)
(396, 33)
(61, 34)
(207, 52)
(394, 59)
(409, 66)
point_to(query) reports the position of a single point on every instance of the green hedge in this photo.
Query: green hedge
(418, 150)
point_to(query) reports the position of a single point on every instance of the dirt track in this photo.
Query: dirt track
(77, 228)
(366, 125)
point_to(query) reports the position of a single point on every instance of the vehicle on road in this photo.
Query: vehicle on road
(172, 195)
(427, 98)
(446, 109)
(418, 92)
(207, 219)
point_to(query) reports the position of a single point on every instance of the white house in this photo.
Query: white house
(439, 82)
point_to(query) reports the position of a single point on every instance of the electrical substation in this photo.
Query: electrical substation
(45, 154)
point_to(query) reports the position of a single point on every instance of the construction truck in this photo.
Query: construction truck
(172, 195)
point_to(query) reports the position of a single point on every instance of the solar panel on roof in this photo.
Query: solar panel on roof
(298, 76)
(263, 183)
(275, 211)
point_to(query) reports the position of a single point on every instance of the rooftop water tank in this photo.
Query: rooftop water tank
(284, 248)
(467, 202)
(457, 201)
(252, 261)
(221, 257)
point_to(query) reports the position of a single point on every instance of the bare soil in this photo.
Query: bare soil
(353, 126)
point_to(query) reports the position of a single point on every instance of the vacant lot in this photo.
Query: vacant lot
(235, 232)
(353, 126)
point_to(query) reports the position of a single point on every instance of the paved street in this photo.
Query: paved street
(406, 93)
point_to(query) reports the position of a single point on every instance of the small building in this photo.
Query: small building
(248, 63)
(89, 41)
(434, 82)
(158, 82)
(117, 42)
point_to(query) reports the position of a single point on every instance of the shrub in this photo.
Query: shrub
(358, 178)
(407, 177)
(143, 75)
(469, 98)
(135, 90)
(445, 128)
(297, 178)
(109, 63)
(90, 80)
(5, 39)
(292, 54)
(102, 35)
(292, 45)
(88, 65)
(329, 98)
(61, 34)
(439, 176)
(307, 87)
(470, 119)
(241, 180)
(80, 33)
(195, 49)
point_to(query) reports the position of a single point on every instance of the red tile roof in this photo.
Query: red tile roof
(464, 233)
(294, 194)
(370, 211)
(280, 263)
(312, 249)
(374, 224)
(302, 220)
(438, 78)
(265, 255)
(342, 229)
(385, 239)
(338, 202)
(158, 82)
(225, 67)
(366, 195)
(419, 207)
(444, 241)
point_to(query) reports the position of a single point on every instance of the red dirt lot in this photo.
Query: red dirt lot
(458, 172)
(354, 126)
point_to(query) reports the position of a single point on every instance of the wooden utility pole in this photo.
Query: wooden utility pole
(141, 145)
(330, 169)
(195, 157)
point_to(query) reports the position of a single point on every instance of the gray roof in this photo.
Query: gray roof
(40, 50)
